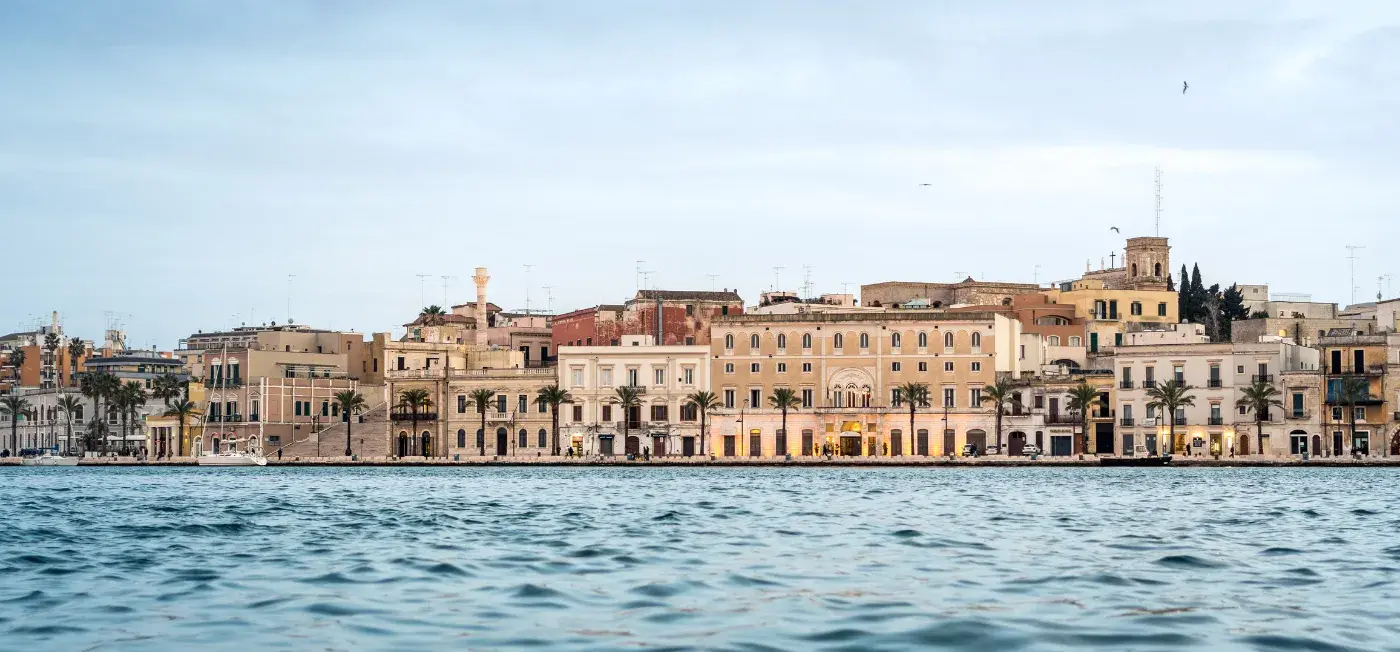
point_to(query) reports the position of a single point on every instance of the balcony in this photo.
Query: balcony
(1215, 421)
(1214, 383)
(409, 416)
(1180, 421)
(1126, 421)
(1067, 419)
(1127, 384)
(1333, 399)
(219, 381)
(1298, 414)
(413, 374)
(1149, 384)
(1268, 378)
(1367, 370)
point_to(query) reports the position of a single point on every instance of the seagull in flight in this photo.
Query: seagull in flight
(925, 184)
(1184, 86)
(1114, 229)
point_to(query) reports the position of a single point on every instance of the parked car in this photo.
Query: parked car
(1030, 449)
(993, 450)
(970, 450)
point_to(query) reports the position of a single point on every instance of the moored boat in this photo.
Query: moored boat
(49, 458)
(232, 459)
(1150, 460)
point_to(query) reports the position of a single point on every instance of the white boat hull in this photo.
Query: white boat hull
(237, 459)
(49, 461)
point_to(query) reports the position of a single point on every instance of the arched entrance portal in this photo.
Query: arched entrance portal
(1317, 444)
(502, 442)
(1244, 444)
(633, 445)
(1016, 445)
(403, 444)
(427, 443)
(1395, 443)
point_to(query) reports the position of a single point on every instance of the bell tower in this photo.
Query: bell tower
(1148, 263)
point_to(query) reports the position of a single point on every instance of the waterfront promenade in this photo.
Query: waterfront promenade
(845, 462)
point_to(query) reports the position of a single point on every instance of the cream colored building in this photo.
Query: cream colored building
(845, 368)
(665, 375)
(1217, 372)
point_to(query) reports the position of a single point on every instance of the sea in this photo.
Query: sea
(751, 559)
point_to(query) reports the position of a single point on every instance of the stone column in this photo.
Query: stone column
(480, 278)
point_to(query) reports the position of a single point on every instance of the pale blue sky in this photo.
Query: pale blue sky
(177, 160)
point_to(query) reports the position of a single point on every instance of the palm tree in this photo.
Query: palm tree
(166, 387)
(627, 397)
(17, 361)
(432, 315)
(1000, 394)
(1353, 390)
(182, 409)
(351, 403)
(553, 396)
(784, 399)
(100, 386)
(1166, 398)
(132, 396)
(76, 350)
(70, 405)
(51, 344)
(917, 396)
(703, 401)
(1259, 396)
(481, 397)
(413, 400)
(1082, 398)
(13, 407)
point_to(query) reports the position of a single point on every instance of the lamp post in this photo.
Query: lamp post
(316, 430)
(742, 433)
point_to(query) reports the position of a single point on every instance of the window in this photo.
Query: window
(1038, 402)
(729, 341)
(923, 366)
(807, 397)
(782, 367)
(729, 399)
(687, 375)
(729, 367)
(753, 367)
(948, 367)
(689, 412)
(607, 413)
(632, 377)
(1180, 373)
(690, 340)
(976, 366)
(1336, 414)
(543, 438)
(1239, 369)
(948, 340)
(755, 398)
(501, 403)
(894, 340)
(837, 341)
(578, 413)
(806, 340)
(894, 366)
(1359, 413)
(658, 376)
(401, 364)
(976, 340)
(949, 398)
(658, 413)
(1162, 310)
(522, 403)
(975, 396)
(923, 340)
(543, 408)
(1151, 411)
(576, 376)
(1215, 417)
(461, 439)
(806, 367)
(605, 377)
(1053, 340)
(524, 438)
(461, 404)
(1075, 340)
(689, 310)
(753, 342)
(1135, 308)
(894, 397)
(864, 341)
(782, 341)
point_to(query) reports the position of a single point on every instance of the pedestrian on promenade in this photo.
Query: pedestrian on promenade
(279, 455)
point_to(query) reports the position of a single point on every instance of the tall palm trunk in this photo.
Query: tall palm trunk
(554, 419)
(913, 407)
(414, 442)
(180, 443)
(14, 433)
(481, 440)
(348, 419)
(784, 429)
(1002, 451)
(702, 433)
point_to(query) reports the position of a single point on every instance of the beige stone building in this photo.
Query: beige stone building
(665, 375)
(895, 294)
(845, 368)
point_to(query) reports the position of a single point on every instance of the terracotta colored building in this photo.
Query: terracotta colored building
(672, 317)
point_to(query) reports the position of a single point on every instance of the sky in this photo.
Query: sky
(186, 166)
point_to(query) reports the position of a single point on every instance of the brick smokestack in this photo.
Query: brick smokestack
(481, 278)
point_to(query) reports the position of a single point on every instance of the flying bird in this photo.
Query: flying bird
(1184, 86)
(925, 184)
(1114, 229)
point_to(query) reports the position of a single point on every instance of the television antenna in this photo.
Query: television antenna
(549, 299)
(1351, 256)
(422, 290)
(528, 267)
(807, 282)
(712, 278)
(776, 279)
(445, 278)
(639, 274)
(1157, 210)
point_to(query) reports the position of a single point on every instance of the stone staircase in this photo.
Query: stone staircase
(368, 438)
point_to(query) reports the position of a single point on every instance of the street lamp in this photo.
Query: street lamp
(316, 430)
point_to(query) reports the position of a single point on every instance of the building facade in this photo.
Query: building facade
(670, 317)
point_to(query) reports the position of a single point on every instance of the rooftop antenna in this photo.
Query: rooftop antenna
(712, 278)
(528, 267)
(776, 279)
(422, 290)
(646, 278)
(1157, 212)
(807, 282)
(549, 299)
(844, 285)
(1383, 279)
(1351, 256)
(639, 274)
(1035, 276)
(445, 278)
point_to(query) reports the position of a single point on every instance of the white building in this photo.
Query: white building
(665, 375)
(1216, 372)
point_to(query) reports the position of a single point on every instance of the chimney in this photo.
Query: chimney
(480, 279)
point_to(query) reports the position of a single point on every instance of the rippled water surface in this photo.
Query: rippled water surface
(732, 559)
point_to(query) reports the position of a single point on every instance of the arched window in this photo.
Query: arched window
(864, 341)
(976, 339)
(894, 340)
(1157, 270)
(1134, 270)
(806, 340)
(729, 341)
(753, 341)
(480, 438)
(524, 438)
(461, 439)
(1053, 340)
(948, 340)
(923, 340)
(837, 341)
(782, 341)
(544, 438)
(1075, 340)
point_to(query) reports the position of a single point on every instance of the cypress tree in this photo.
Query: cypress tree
(1183, 296)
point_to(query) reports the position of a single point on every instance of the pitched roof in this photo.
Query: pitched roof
(689, 295)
